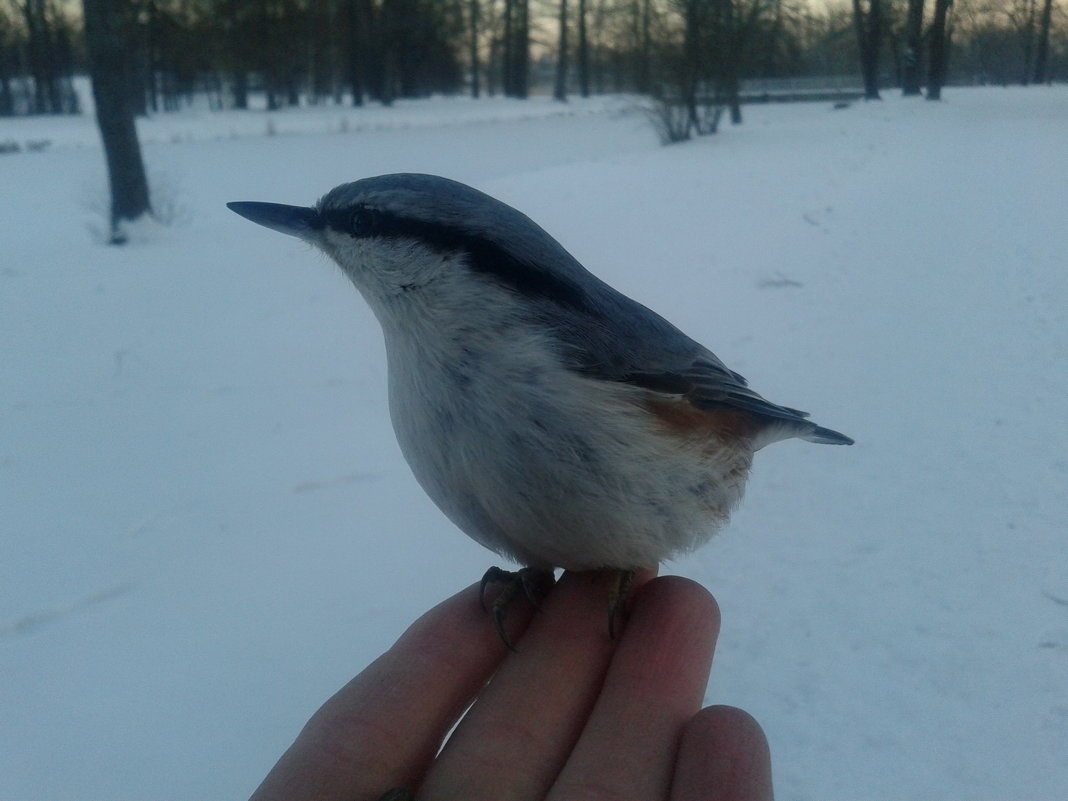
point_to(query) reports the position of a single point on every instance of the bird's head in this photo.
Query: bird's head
(405, 234)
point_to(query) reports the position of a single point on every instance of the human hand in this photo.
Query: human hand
(571, 715)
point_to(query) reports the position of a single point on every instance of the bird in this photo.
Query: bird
(551, 418)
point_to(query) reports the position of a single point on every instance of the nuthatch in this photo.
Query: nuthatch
(554, 420)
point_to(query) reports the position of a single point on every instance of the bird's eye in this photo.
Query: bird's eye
(363, 222)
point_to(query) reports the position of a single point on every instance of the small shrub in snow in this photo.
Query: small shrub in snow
(671, 120)
(676, 121)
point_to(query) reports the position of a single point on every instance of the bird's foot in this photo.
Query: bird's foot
(534, 582)
(398, 794)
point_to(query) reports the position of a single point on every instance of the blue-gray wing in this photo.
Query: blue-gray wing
(629, 343)
(602, 332)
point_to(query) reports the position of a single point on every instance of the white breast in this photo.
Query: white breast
(539, 463)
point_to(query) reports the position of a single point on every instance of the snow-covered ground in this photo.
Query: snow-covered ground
(207, 526)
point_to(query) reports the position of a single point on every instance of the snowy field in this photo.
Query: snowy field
(207, 527)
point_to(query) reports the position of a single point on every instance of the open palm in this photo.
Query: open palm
(571, 715)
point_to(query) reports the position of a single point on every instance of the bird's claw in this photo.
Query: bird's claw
(531, 580)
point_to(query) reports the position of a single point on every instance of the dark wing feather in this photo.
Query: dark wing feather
(710, 385)
(652, 354)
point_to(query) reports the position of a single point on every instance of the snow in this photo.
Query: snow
(208, 527)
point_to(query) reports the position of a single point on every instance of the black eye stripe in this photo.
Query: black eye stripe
(363, 222)
(484, 255)
(358, 222)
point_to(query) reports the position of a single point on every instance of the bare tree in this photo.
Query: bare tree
(358, 19)
(583, 51)
(507, 43)
(476, 67)
(940, 35)
(300, 51)
(694, 69)
(685, 99)
(521, 49)
(645, 46)
(1042, 46)
(324, 19)
(7, 96)
(48, 54)
(109, 71)
(515, 69)
(912, 61)
(735, 22)
(560, 88)
(869, 27)
(1026, 15)
(232, 17)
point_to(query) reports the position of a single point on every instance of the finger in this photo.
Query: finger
(515, 739)
(383, 728)
(654, 686)
(723, 756)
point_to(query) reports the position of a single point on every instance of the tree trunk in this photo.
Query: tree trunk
(322, 22)
(939, 50)
(109, 72)
(645, 48)
(1028, 34)
(507, 69)
(147, 85)
(730, 64)
(583, 51)
(239, 87)
(912, 62)
(521, 49)
(476, 68)
(7, 98)
(869, 29)
(560, 90)
(690, 68)
(235, 27)
(1042, 53)
(365, 50)
(41, 58)
(64, 54)
(516, 67)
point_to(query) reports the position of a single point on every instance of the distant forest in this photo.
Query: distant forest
(305, 52)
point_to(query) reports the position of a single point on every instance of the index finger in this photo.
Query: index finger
(383, 728)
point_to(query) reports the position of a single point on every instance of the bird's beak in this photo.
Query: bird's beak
(299, 221)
